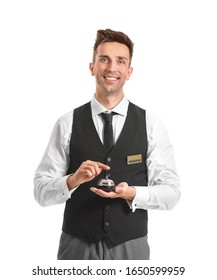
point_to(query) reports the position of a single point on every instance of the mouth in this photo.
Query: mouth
(111, 78)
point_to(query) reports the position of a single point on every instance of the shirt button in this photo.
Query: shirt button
(107, 224)
(107, 207)
(109, 159)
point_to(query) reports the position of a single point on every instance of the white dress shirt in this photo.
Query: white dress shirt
(163, 190)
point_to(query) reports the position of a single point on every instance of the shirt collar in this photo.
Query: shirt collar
(121, 108)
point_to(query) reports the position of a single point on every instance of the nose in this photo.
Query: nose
(112, 66)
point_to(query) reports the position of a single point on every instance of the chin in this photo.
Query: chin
(111, 89)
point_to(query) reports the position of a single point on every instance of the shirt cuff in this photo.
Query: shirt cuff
(66, 193)
(140, 200)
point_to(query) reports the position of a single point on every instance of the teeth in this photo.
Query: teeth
(111, 78)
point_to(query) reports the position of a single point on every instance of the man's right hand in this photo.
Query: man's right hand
(87, 171)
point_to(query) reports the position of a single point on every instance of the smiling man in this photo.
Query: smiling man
(111, 67)
(112, 139)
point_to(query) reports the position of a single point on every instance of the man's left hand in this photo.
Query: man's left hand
(122, 190)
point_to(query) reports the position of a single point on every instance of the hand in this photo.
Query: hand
(87, 171)
(122, 190)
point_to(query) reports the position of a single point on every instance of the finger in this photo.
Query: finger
(103, 166)
(100, 164)
(95, 167)
(98, 191)
(89, 173)
(122, 185)
(91, 169)
(118, 189)
(103, 193)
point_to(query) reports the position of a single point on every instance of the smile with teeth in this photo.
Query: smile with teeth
(111, 78)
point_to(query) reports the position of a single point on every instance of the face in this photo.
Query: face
(111, 68)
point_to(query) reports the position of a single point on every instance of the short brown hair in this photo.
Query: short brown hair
(109, 35)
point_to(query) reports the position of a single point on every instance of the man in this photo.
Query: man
(99, 224)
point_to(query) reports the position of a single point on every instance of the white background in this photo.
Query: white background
(45, 50)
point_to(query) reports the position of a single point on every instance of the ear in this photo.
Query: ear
(130, 71)
(91, 67)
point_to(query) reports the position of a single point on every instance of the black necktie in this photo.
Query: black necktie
(108, 131)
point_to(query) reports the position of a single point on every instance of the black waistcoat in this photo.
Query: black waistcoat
(89, 216)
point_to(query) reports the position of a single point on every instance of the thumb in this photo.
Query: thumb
(118, 189)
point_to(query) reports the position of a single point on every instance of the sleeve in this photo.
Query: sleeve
(163, 190)
(50, 185)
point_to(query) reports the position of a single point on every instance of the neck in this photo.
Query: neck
(109, 102)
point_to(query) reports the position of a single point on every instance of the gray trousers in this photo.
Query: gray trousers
(73, 248)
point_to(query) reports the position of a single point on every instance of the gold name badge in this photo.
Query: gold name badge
(134, 159)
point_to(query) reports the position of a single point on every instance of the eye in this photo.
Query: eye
(121, 61)
(104, 59)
